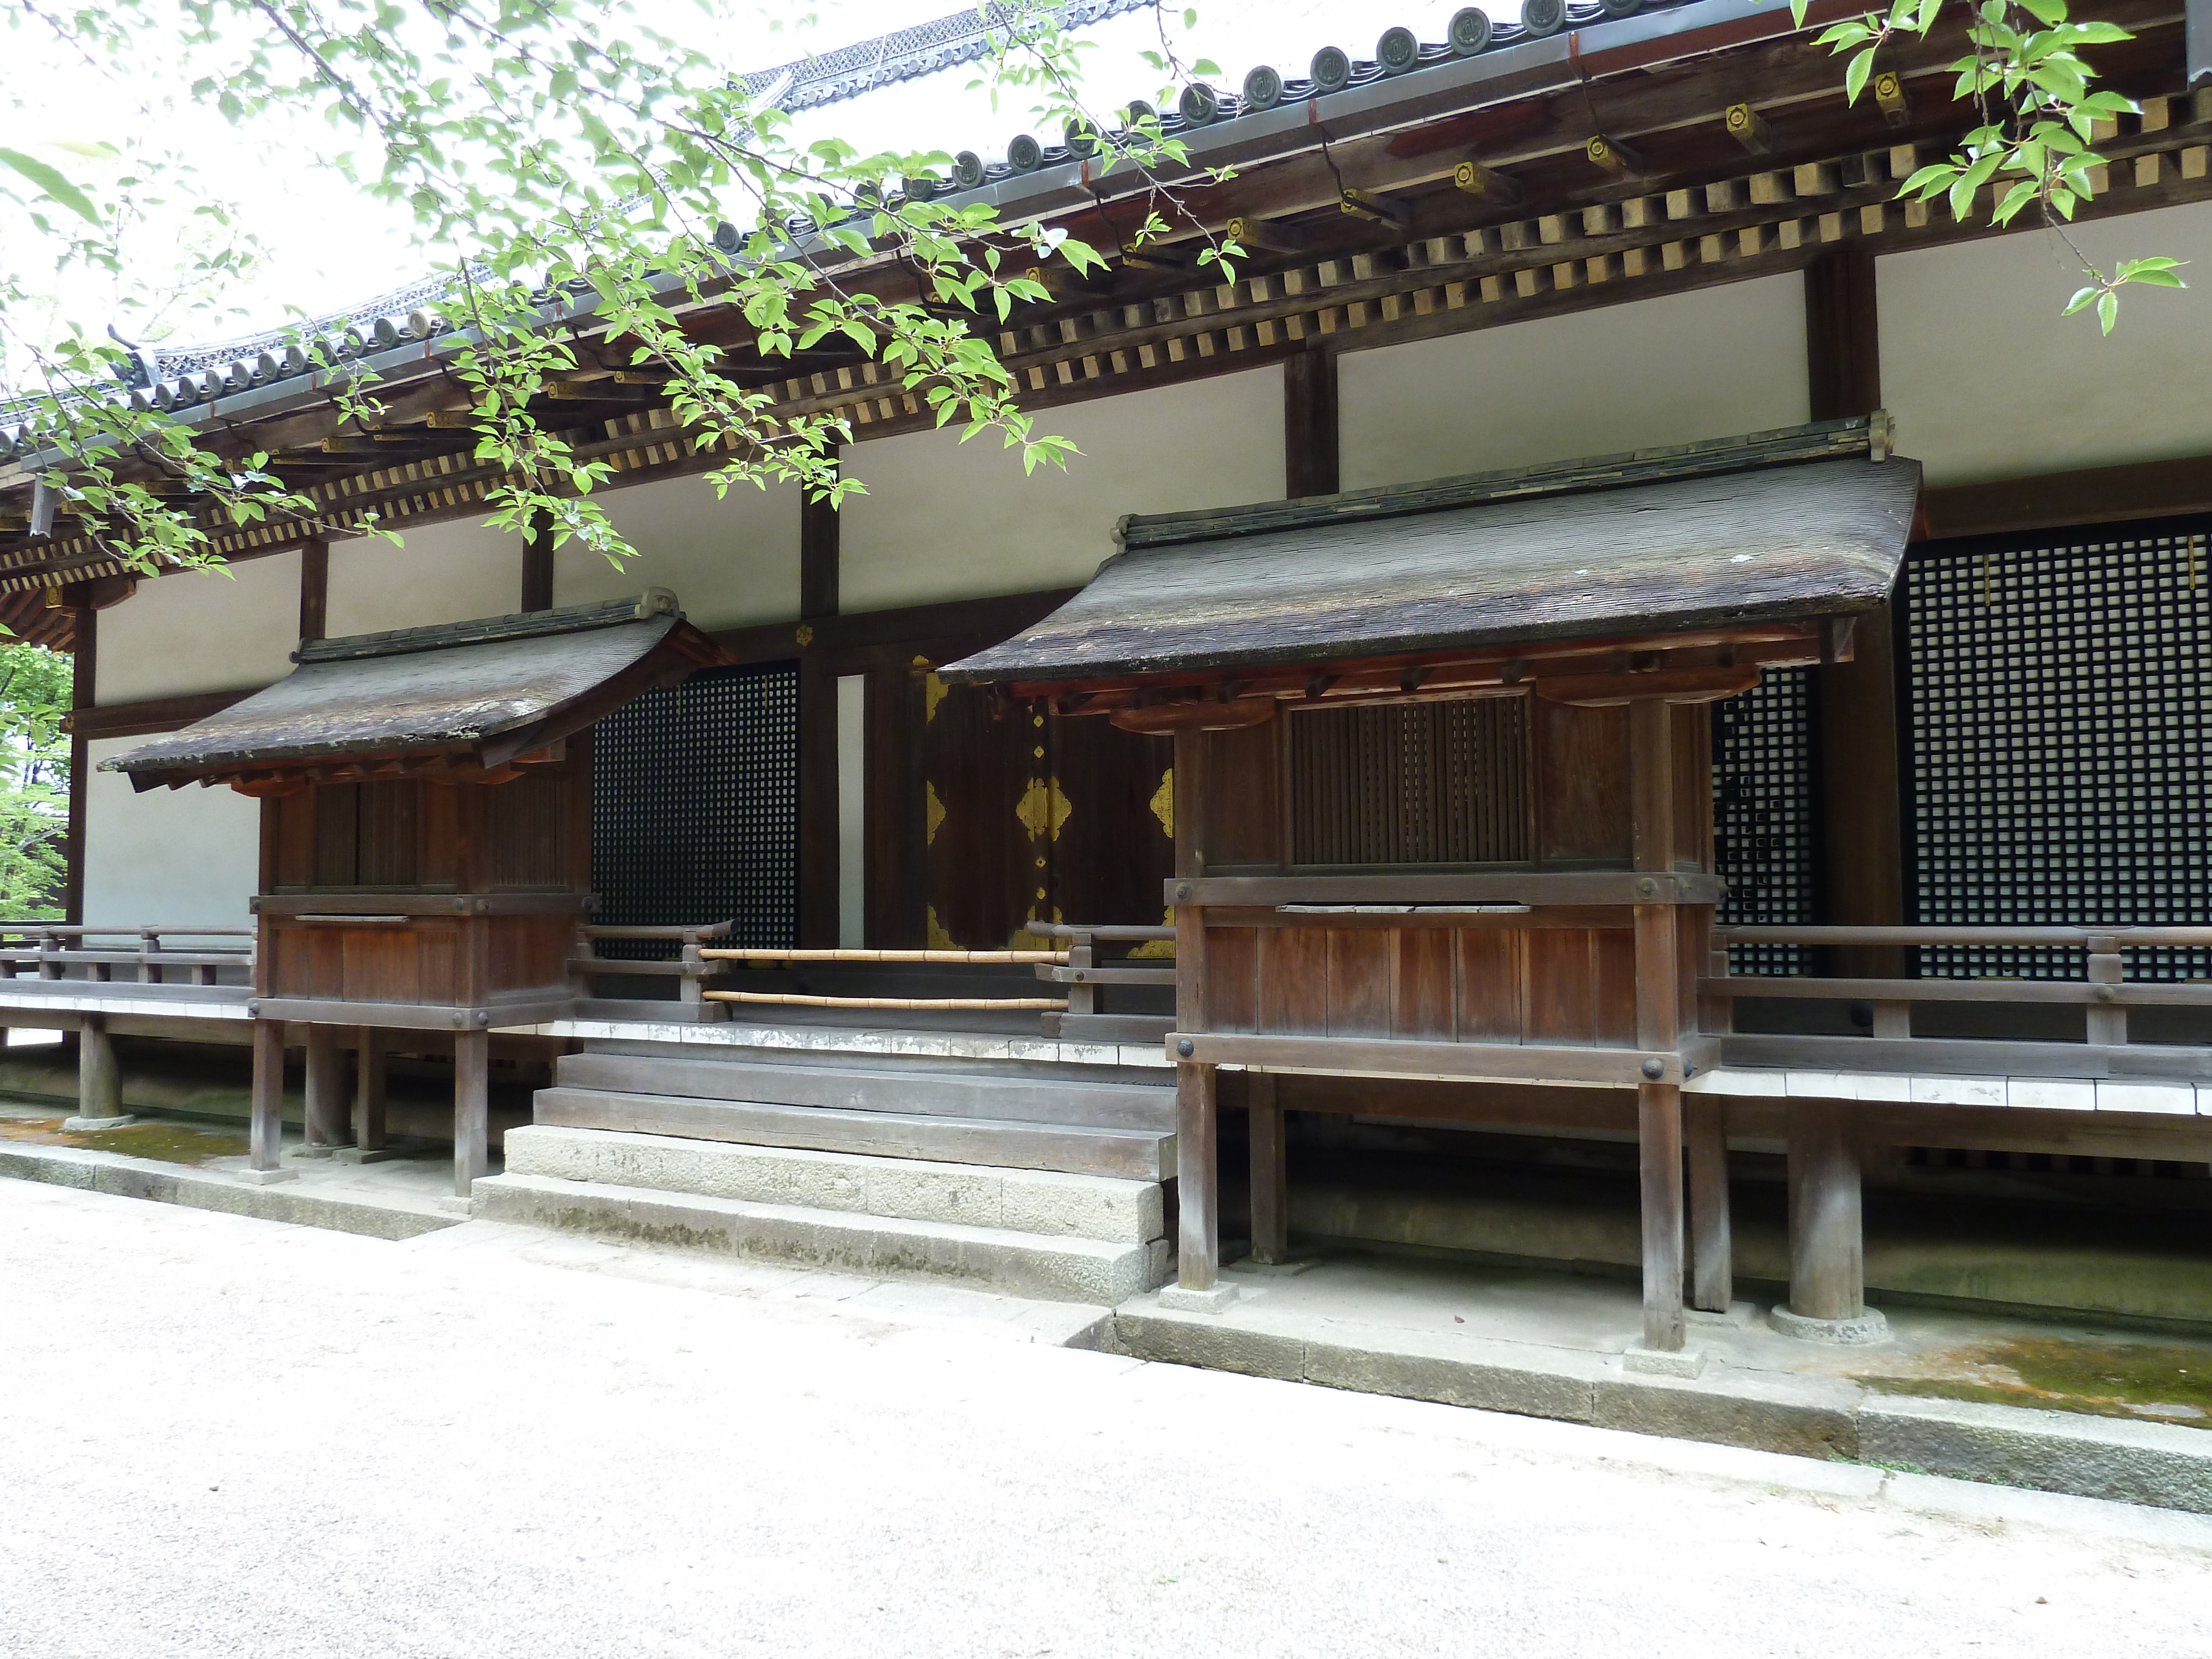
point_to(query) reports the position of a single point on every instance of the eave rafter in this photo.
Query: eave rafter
(1545, 231)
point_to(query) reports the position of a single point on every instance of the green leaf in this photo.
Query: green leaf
(55, 187)
(2083, 297)
(1855, 74)
(2108, 310)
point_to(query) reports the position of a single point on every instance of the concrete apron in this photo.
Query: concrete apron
(1934, 1398)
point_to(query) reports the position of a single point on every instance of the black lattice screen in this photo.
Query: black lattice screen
(1766, 832)
(695, 807)
(2057, 716)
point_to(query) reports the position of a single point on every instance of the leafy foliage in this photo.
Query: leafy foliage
(2040, 120)
(585, 179)
(35, 764)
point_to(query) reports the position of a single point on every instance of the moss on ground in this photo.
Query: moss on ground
(2153, 1382)
(163, 1140)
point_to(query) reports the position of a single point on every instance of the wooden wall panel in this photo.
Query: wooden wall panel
(1581, 766)
(1294, 980)
(1360, 980)
(1493, 984)
(1232, 968)
(530, 820)
(983, 859)
(1612, 953)
(1243, 814)
(440, 867)
(1424, 980)
(1562, 985)
(1111, 851)
(1693, 737)
(386, 840)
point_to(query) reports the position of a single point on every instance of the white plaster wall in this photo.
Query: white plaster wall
(1709, 364)
(172, 856)
(1988, 381)
(202, 630)
(440, 573)
(733, 562)
(947, 520)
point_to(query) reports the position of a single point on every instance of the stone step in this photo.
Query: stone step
(1070, 1099)
(1043, 1202)
(1026, 1264)
(1127, 1154)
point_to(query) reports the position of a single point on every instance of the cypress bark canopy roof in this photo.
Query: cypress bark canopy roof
(476, 693)
(1792, 524)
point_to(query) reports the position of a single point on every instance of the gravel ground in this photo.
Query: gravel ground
(231, 1436)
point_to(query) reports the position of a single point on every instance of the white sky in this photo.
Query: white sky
(328, 248)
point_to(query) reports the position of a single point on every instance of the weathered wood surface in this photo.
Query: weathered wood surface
(99, 1078)
(328, 1109)
(1384, 1057)
(368, 1090)
(1968, 1057)
(1128, 1154)
(1031, 1099)
(266, 1129)
(1270, 1177)
(1712, 1261)
(1827, 1275)
(1783, 542)
(1198, 1181)
(471, 1109)
(1659, 1152)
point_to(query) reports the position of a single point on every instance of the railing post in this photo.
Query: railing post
(1082, 994)
(688, 988)
(150, 946)
(1893, 1019)
(2107, 1022)
(50, 944)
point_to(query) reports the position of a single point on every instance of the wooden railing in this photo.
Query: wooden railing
(1087, 978)
(2105, 993)
(46, 949)
(691, 967)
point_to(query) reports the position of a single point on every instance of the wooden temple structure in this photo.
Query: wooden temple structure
(1443, 781)
(425, 840)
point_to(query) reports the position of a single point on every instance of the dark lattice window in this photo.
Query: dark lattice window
(1411, 783)
(695, 807)
(1766, 836)
(2057, 717)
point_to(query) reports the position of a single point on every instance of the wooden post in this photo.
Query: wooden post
(1309, 424)
(266, 1147)
(314, 589)
(84, 675)
(1863, 880)
(325, 1127)
(471, 1109)
(368, 1092)
(1271, 1229)
(1198, 1152)
(2107, 1022)
(819, 849)
(537, 564)
(1712, 1267)
(99, 1082)
(1198, 1178)
(1658, 1021)
(1828, 1270)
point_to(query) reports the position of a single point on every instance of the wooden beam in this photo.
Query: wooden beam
(1828, 1269)
(1309, 425)
(314, 588)
(2101, 495)
(84, 676)
(1658, 1099)
(1842, 335)
(818, 853)
(537, 564)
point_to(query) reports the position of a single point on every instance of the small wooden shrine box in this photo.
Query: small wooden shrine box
(425, 826)
(1443, 778)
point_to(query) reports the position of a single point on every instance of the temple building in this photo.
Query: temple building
(1621, 703)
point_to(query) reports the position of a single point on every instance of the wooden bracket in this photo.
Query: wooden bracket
(1487, 183)
(1665, 684)
(1366, 204)
(1616, 158)
(1748, 128)
(1248, 232)
(1196, 716)
(1889, 92)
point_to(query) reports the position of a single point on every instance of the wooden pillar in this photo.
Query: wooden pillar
(1271, 1232)
(314, 589)
(84, 675)
(326, 1125)
(1658, 1021)
(537, 565)
(1712, 1265)
(1309, 424)
(471, 1109)
(1827, 1269)
(368, 1091)
(266, 1145)
(1198, 1153)
(818, 727)
(1861, 807)
(98, 1080)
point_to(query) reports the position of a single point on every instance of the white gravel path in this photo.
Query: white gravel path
(226, 1436)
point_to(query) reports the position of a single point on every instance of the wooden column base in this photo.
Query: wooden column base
(368, 1092)
(471, 1109)
(1198, 1178)
(1271, 1220)
(99, 1079)
(326, 1124)
(1659, 1138)
(1827, 1269)
(1712, 1267)
(266, 1146)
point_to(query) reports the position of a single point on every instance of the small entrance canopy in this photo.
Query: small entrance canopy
(458, 700)
(1728, 544)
